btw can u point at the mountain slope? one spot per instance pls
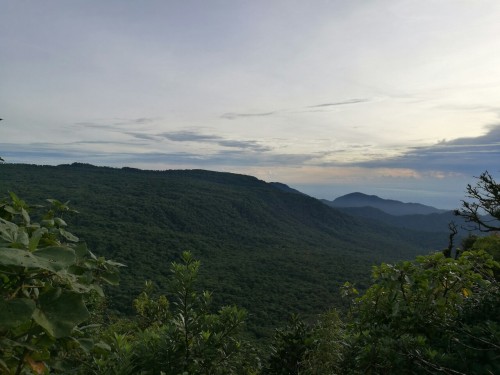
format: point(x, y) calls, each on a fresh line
point(392, 207)
point(271, 251)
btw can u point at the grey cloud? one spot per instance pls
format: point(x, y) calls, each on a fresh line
point(468, 156)
point(231, 116)
point(143, 136)
point(244, 155)
point(188, 136)
point(95, 125)
point(250, 145)
point(143, 120)
point(115, 125)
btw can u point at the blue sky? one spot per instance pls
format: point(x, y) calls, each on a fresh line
point(398, 98)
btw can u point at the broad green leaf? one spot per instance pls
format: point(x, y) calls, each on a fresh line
point(11, 210)
point(81, 250)
point(50, 258)
point(26, 216)
point(35, 238)
point(22, 238)
point(8, 231)
point(18, 258)
point(60, 222)
point(60, 311)
point(15, 312)
point(56, 258)
point(69, 236)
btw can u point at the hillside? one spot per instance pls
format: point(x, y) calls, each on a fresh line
point(271, 251)
point(389, 206)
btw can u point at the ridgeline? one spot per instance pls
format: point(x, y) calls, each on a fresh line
point(263, 247)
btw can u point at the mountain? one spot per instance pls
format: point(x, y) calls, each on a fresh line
point(262, 247)
point(435, 222)
point(285, 188)
point(392, 207)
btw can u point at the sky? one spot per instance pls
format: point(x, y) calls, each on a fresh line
point(398, 98)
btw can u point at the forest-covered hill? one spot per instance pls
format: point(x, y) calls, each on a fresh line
point(269, 250)
point(389, 206)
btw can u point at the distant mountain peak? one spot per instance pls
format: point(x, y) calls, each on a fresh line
point(390, 206)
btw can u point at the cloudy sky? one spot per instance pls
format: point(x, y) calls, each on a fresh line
point(399, 98)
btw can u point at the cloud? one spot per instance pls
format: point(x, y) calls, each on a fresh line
point(117, 123)
point(192, 136)
point(467, 155)
point(249, 145)
point(231, 116)
point(188, 136)
point(351, 101)
point(144, 136)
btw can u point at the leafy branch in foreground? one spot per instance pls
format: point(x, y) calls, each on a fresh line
point(180, 336)
point(46, 275)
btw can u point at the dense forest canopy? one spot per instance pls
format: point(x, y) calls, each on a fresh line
point(437, 313)
point(270, 251)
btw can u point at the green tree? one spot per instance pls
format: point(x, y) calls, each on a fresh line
point(183, 336)
point(289, 347)
point(414, 317)
point(47, 277)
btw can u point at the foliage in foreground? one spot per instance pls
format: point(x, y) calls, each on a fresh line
point(47, 278)
point(181, 336)
point(434, 315)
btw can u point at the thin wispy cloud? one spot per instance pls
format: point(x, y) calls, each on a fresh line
point(197, 137)
point(232, 116)
point(189, 136)
point(351, 101)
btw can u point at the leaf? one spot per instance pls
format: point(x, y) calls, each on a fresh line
point(25, 215)
point(35, 238)
point(15, 312)
point(69, 236)
point(56, 258)
point(50, 258)
point(8, 231)
point(60, 222)
point(10, 210)
point(60, 311)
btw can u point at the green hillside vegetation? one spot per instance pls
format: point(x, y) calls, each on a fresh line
point(438, 313)
point(270, 251)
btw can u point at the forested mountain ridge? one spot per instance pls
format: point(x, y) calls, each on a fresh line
point(389, 206)
point(435, 222)
point(271, 251)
